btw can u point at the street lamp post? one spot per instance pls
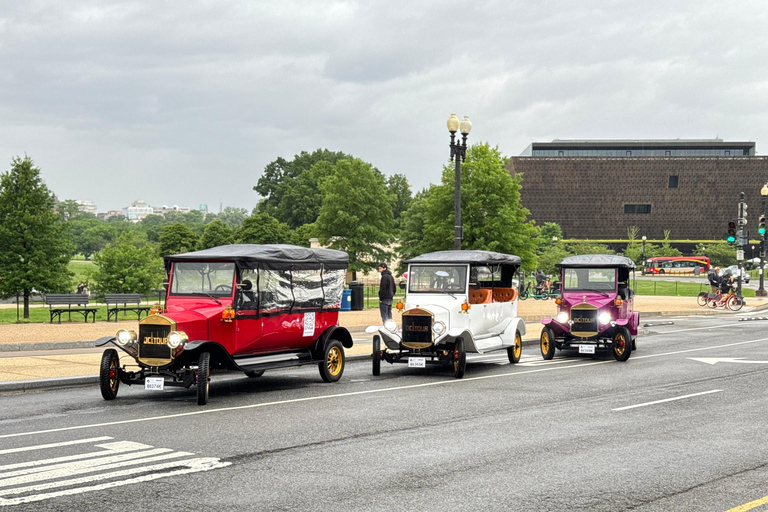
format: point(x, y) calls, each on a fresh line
point(458, 154)
point(761, 289)
point(642, 257)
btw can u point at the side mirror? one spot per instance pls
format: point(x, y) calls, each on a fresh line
point(246, 285)
point(401, 285)
point(165, 285)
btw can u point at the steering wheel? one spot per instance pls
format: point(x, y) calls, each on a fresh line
point(224, 288)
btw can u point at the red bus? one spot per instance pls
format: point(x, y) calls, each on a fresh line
point(677, 265)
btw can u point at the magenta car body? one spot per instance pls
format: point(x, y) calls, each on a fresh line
point(595, 310)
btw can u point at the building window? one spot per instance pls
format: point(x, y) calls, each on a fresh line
point(629, 153)
point(560, 153)
point(637, 208)
point(673, 181)
point(668, 153)
point(727, 153)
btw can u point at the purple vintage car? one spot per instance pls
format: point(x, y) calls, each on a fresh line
point(595, 309)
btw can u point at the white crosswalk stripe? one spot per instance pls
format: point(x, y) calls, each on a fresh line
point(66, 475)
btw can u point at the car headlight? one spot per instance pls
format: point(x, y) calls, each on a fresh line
point(177, 338)
point(562, 317)
point(391, 326)
point(604, 318)
point(438, 328)
point(125, 337)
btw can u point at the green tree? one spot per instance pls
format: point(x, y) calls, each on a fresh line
point(491, 214)
point(90, 235)
point(262, 228)
point(70, 210)
point(177, 239)
point(356, 215)
point(34, 248)
point(232, 217)
point(400, 192)
point(413, 225)
point(287, 194)
point(216, 233)
point(129, 265)
point(720, 255)
point(550, 248)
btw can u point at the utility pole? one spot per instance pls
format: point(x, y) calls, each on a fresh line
point(743, 235)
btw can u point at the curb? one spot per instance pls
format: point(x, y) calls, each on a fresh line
point(44, 384)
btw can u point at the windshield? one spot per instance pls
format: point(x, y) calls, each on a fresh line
point(589, 279)
point(208, 278)
point(437, 279)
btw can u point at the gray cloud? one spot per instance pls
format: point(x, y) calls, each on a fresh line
point(186, 102)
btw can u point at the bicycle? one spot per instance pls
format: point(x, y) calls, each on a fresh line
point(732, 302)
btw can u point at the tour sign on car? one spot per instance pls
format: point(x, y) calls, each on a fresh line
point(249, 308)
point(456, 302)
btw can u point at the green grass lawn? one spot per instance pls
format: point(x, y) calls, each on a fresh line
point(79, 267)
point(41, 314)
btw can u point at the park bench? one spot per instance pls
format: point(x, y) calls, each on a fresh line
point(69, 303)
point(117, 302)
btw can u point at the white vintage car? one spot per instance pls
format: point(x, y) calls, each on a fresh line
point(456, 302)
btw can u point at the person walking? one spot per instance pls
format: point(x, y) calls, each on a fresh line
point(386, 293)
point(714, 279)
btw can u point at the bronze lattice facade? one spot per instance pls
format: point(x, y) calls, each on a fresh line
point(601, 197)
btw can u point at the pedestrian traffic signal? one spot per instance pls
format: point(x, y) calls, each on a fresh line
point(761, 225)
point(731, 236)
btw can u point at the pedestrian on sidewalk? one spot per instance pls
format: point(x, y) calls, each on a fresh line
point(386, 293)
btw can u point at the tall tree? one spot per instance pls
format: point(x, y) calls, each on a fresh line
point(232, 217)
point(492, 216)
point(400, 193)
point(262, 228)
point(90, 235)
point(69, 209)
point(283, 188)
point(129, 265)
point(356, 215)
point(177, 239)
point(34, 249)
point(216, 233)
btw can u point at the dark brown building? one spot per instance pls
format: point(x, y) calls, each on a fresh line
point(598, 189)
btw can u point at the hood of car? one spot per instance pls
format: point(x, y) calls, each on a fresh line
point(595, 299)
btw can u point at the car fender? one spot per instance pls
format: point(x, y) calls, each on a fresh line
point(334, 333)
point(130, 349)
point(517, 324)
point(469, 340)
point(220, 358)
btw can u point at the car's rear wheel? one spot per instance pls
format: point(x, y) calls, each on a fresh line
point(332, 365)
point(547, 343)
point(203, 377)
point(514, 352)
point(622, 344)
point(376, 355)
point(109, 378)
point(459, 358)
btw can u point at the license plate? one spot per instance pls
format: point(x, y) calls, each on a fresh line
point(417, 362)
point(154, 383)
point(586, 349)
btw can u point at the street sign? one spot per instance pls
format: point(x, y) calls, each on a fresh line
point(740, 254)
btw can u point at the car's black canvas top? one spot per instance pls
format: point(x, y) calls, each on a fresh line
point(596, 261)
point(278, 256)
point(472, 257)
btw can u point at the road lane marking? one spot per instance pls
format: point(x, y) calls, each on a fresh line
point(107, 449)
point(694, 329)
point(54, 445)
point(655, 402)
point(16, 488)
point(750, 505)
point(715, 360)
point(549, 368)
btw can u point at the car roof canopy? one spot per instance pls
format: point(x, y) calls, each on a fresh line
point(596, 261)
point(273, 256)
point(471, 257)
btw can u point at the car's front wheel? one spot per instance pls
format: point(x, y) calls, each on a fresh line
point(332, 365)
point(514, 352)
point(547, 343)
point(203, 377)
point(109, 378)
point(459, 358)
point(622, 344)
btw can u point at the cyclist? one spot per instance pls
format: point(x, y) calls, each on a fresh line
point(726, 286)
point(714, 279)
point(541, 281)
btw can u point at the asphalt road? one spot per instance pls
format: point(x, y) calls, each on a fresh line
point(667, 430)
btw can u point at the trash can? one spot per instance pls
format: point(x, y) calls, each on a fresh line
point(346, 300)
point(697, 271)
point(356, 287)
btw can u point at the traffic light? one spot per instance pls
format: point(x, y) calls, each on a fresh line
point(761, 225)
point(743, 213)
point(731, 237)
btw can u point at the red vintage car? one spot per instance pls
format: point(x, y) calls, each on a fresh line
point(236, 307)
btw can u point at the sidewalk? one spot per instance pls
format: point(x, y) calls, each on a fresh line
point(34, 356)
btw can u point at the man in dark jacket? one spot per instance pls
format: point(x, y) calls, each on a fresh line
point(714, 278)
point(386, 292)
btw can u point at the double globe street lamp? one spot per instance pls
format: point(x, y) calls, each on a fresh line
point(458, 154)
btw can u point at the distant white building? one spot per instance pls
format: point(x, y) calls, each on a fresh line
point(162, 210)
point(87, 207)
point(137, 211)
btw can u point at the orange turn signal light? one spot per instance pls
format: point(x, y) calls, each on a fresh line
point(465, 306)
point(399, 305)
point(157, 309)
point(558, 301)
point(618, 301)
point(228, 314)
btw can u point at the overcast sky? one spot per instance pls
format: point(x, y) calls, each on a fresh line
point(184, 102)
